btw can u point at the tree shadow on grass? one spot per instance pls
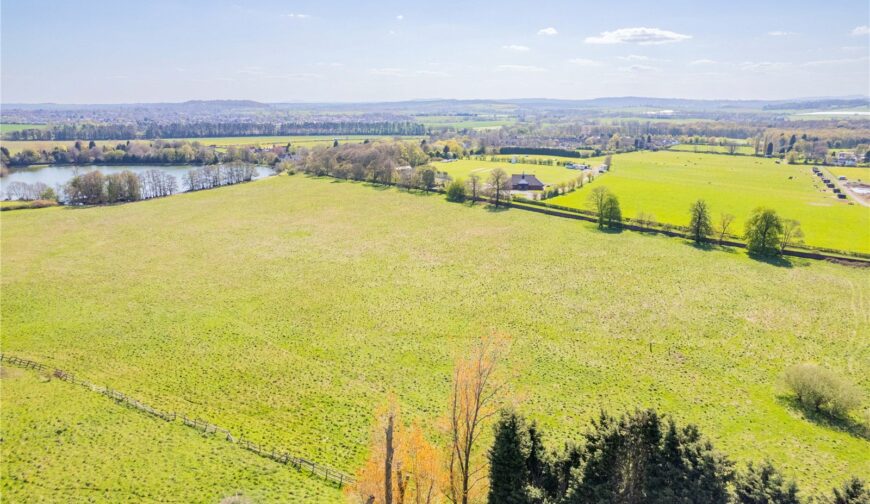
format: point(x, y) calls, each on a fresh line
point(848, 425)
point(778, 261)
point(497, 209)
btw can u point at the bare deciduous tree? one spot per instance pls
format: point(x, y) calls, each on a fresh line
point(474, 400)
point(725, 221)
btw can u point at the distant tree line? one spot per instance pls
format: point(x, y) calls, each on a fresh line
point(541, 151)
point(158, 151)
point(155, 130)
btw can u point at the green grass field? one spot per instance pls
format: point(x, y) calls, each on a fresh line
point(65, 444)
point(666, 183)
point(741, 149)
point(547, 174)
point(6, 128)
point(287, 309)
point(852, 173)
point(220, 142)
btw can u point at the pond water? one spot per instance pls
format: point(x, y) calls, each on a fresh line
point(56, 176)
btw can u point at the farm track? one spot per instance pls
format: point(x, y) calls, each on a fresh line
point(314, 469)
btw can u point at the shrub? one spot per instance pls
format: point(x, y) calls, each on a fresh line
point(820, 389)
point(456, 191)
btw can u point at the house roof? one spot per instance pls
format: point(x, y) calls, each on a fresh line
point(525, 180)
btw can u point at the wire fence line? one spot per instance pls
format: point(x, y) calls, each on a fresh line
point(280, 456)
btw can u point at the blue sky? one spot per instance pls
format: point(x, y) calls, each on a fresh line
point(120, 51)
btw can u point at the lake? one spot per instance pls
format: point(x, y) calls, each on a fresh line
point(56, 176)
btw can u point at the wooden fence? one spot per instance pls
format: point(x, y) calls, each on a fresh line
point(282, 457)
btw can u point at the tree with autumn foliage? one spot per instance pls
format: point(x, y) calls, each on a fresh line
point(402, 468)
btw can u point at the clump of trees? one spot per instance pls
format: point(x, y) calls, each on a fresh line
point(209, 177)
point(375, 162)
point(822, 390)
point(768, 235)
point(638, 457)
point(404, 467)
point(29, 192)
point(606, 205)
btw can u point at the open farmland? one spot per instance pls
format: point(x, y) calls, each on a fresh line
point(5, 128)
point(51, 426)
point(546, 173)
point(666, 183)
point(852, 173)
point(719, 149)
point(317, 298)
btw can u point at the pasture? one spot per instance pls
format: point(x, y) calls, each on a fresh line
point(5, 128)
point(720, 149)
point(666, 183)
point(547, 174)
point(290, 307)
point(852, 173)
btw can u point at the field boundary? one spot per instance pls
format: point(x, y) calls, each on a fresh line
point(314, 469)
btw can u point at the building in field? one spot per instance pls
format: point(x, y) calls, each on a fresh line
point(845, 158)
point(525, 182)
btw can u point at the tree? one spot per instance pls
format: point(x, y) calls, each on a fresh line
point(402, 465)
point(474, 186)
point(639, 458)
point(427, 178)
point(456, 191)
point(699, 225)
point(763, 232)
point(763, 484)
point(725, 221)
point(597, 197)
point(791, 234)
point(769, 151)
point(611, 215)
point(499, 185)
point(508, 472)
point(852, 492)
point(474, 399)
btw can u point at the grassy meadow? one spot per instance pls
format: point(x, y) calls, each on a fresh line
point(287, 309)
point(852, 173)
point(63, 443)
point(6, 128)
point(722, 149)
point(666, 183)
point(547, 174)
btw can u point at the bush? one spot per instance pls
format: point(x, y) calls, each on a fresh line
point(456, 191)
point(852, 492)
point(820, 389)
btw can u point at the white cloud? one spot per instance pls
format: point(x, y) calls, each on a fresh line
point(400, 17)
point(515, 47)
point(763, 65)
point(584, 62)
point(634, 57)
point(521, 68)
point(641, 69)
point(432, 73)
point(549, 31)
point(640, 35)
point(861, 30)
point(333, 64)
point(779, 33)
point(297, 16)
point(702, 61)
point(388, 72)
